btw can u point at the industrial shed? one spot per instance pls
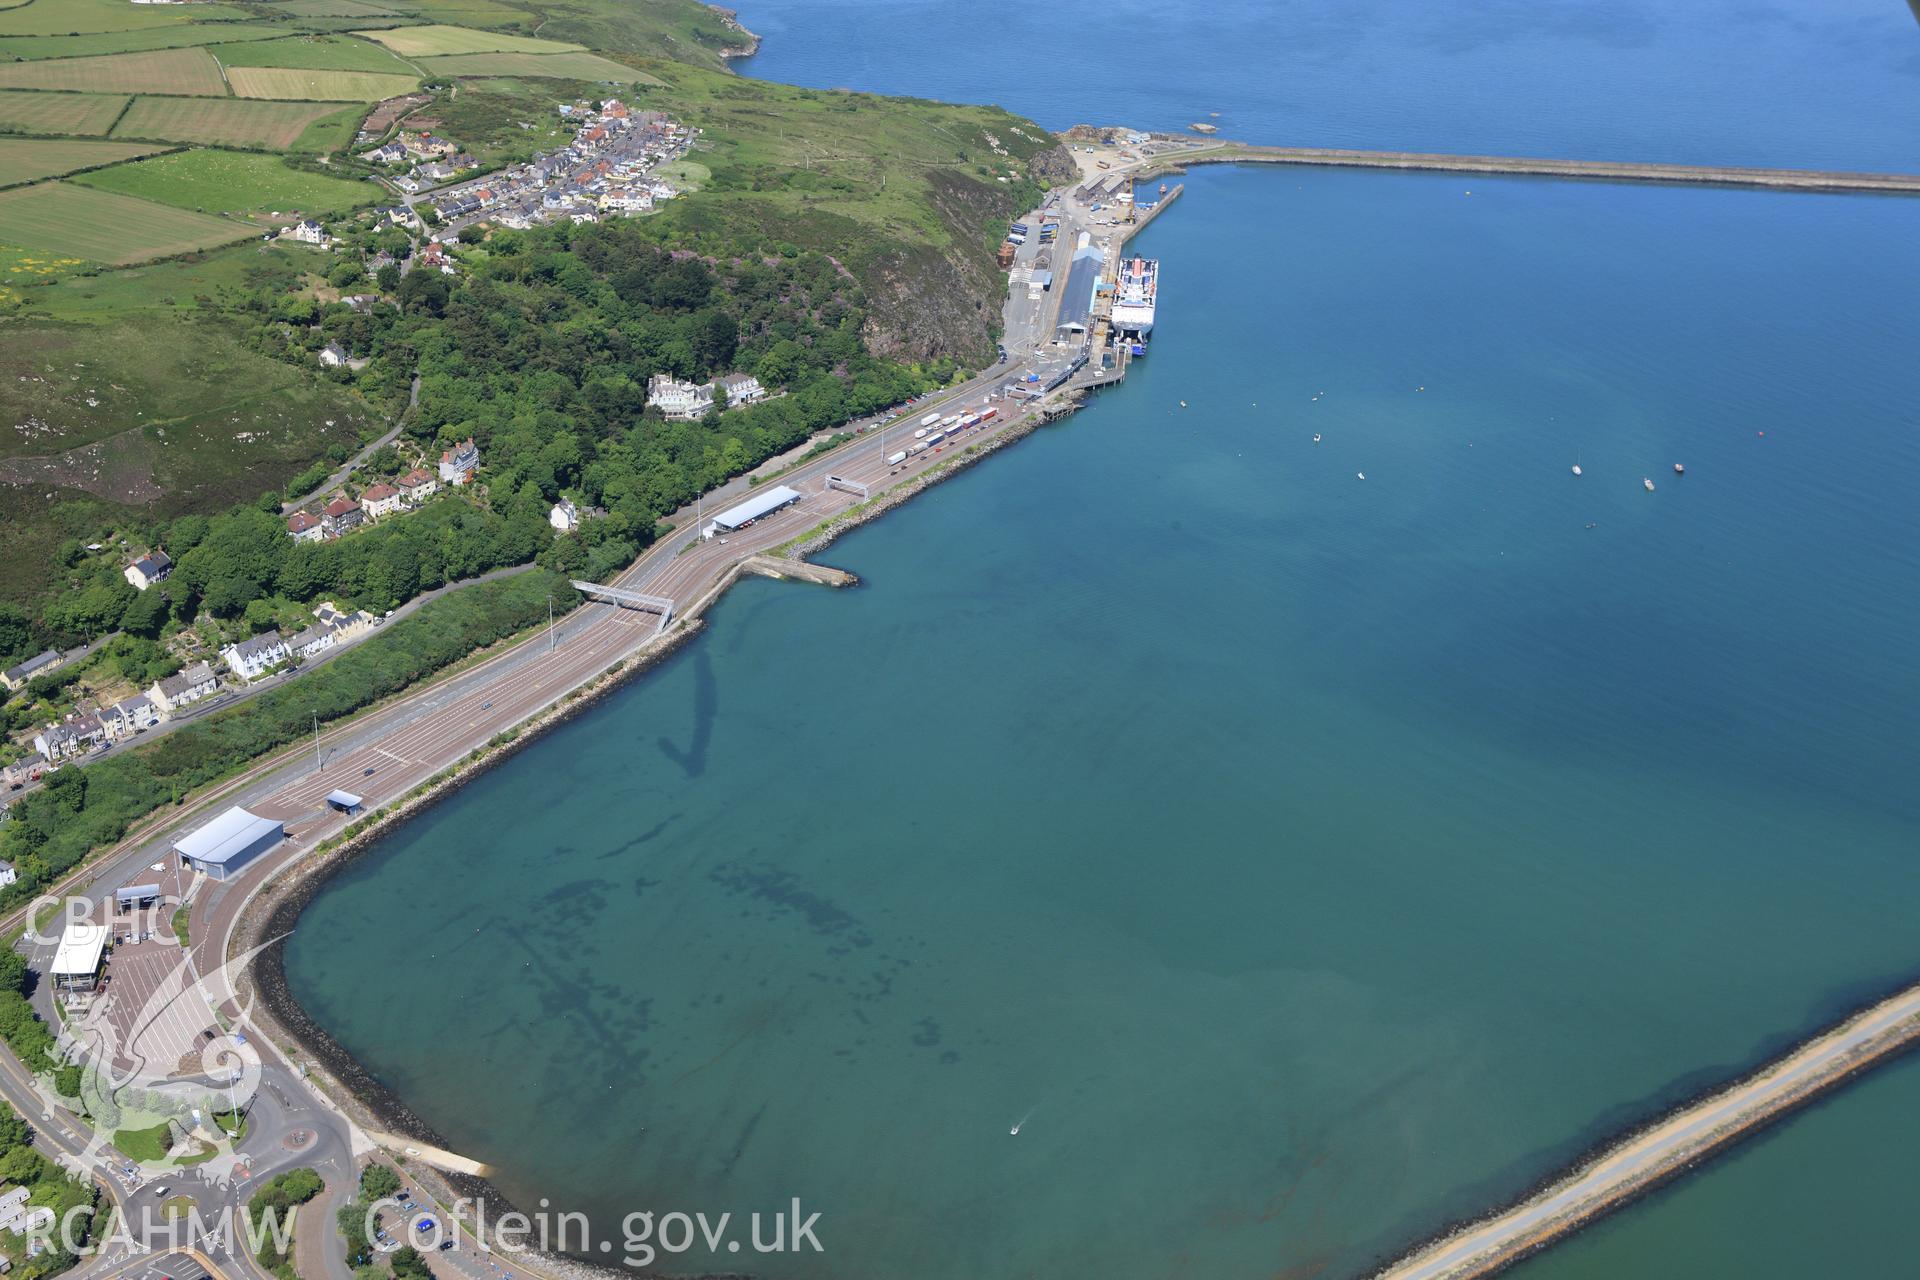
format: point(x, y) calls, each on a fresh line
point(228, 843)
point(760, 504)
point(1076, 297)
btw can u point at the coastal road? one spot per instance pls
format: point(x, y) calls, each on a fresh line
point(384, 754)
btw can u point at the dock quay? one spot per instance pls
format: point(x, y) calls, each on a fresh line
point(1172, 160)
point(780, 567)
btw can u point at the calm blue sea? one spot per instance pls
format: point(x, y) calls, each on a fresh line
point(1298, 860)
point(1831, 84)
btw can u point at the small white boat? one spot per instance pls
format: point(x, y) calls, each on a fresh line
point(1679, 470)
point(1316, 437)
point(1649, 483)
point(1183, 404)
point(1576, 469)
point(1361, 474)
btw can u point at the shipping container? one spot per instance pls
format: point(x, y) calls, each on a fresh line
point(936, 438)
point(930, 419)
point(895, 459)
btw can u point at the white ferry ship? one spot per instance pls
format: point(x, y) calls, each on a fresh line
point(1133, 298)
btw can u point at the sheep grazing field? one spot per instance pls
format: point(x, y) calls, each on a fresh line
point(101, 226)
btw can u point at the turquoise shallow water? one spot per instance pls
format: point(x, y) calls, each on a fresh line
point(1307, 860)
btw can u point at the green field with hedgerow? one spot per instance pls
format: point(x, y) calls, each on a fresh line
point(314, 53)
point(189, 71)
point(318, 85)
point(268, 126)
point(230, 182)
point(432, 41)
point(590, 67)
point(63, 217)
point(30, 159)
point(80, 114)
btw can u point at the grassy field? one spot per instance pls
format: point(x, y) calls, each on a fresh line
point(885, 162)
point(272, 126)
point(159, 293)
point(230, 182)
point(145, 1144)
point(79, 46)
point(476, 13)
point(21, 273)
point(61, 218)
point(556, 66)
point(331, 9)
point(22, 111)
point(314, 53)
point(63, 17)
point(683, 30)
point(190, 71)
point(430, 42)
point(182, 418)
point(321, 86)
point(29, 159)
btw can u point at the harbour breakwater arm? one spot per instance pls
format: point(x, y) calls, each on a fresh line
point(1628, 1168)
point(1596, 170)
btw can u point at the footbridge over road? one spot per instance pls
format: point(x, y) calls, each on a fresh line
point(622, 598)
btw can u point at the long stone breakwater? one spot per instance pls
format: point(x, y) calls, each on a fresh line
point(1595, 170)
point(1626, 1168)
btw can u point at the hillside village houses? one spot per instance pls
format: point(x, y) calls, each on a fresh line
point(74, 736)
point(40, 664)
point(679, 401)
point(607, 168)
point(684, 401)
point(332, 356)
point(458, 464)
point(189, 686)
point(342, 514)
point(28, 768)
point(252, 658)
point(741, 388)
point(418, 486)
point(132, 716)
point(307, 231)
point(346, 627)
point(149, 569)
point(382, 499)
point(307, 643)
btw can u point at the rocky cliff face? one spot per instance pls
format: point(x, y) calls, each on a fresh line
point(926, 302)
point(1054, 166)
